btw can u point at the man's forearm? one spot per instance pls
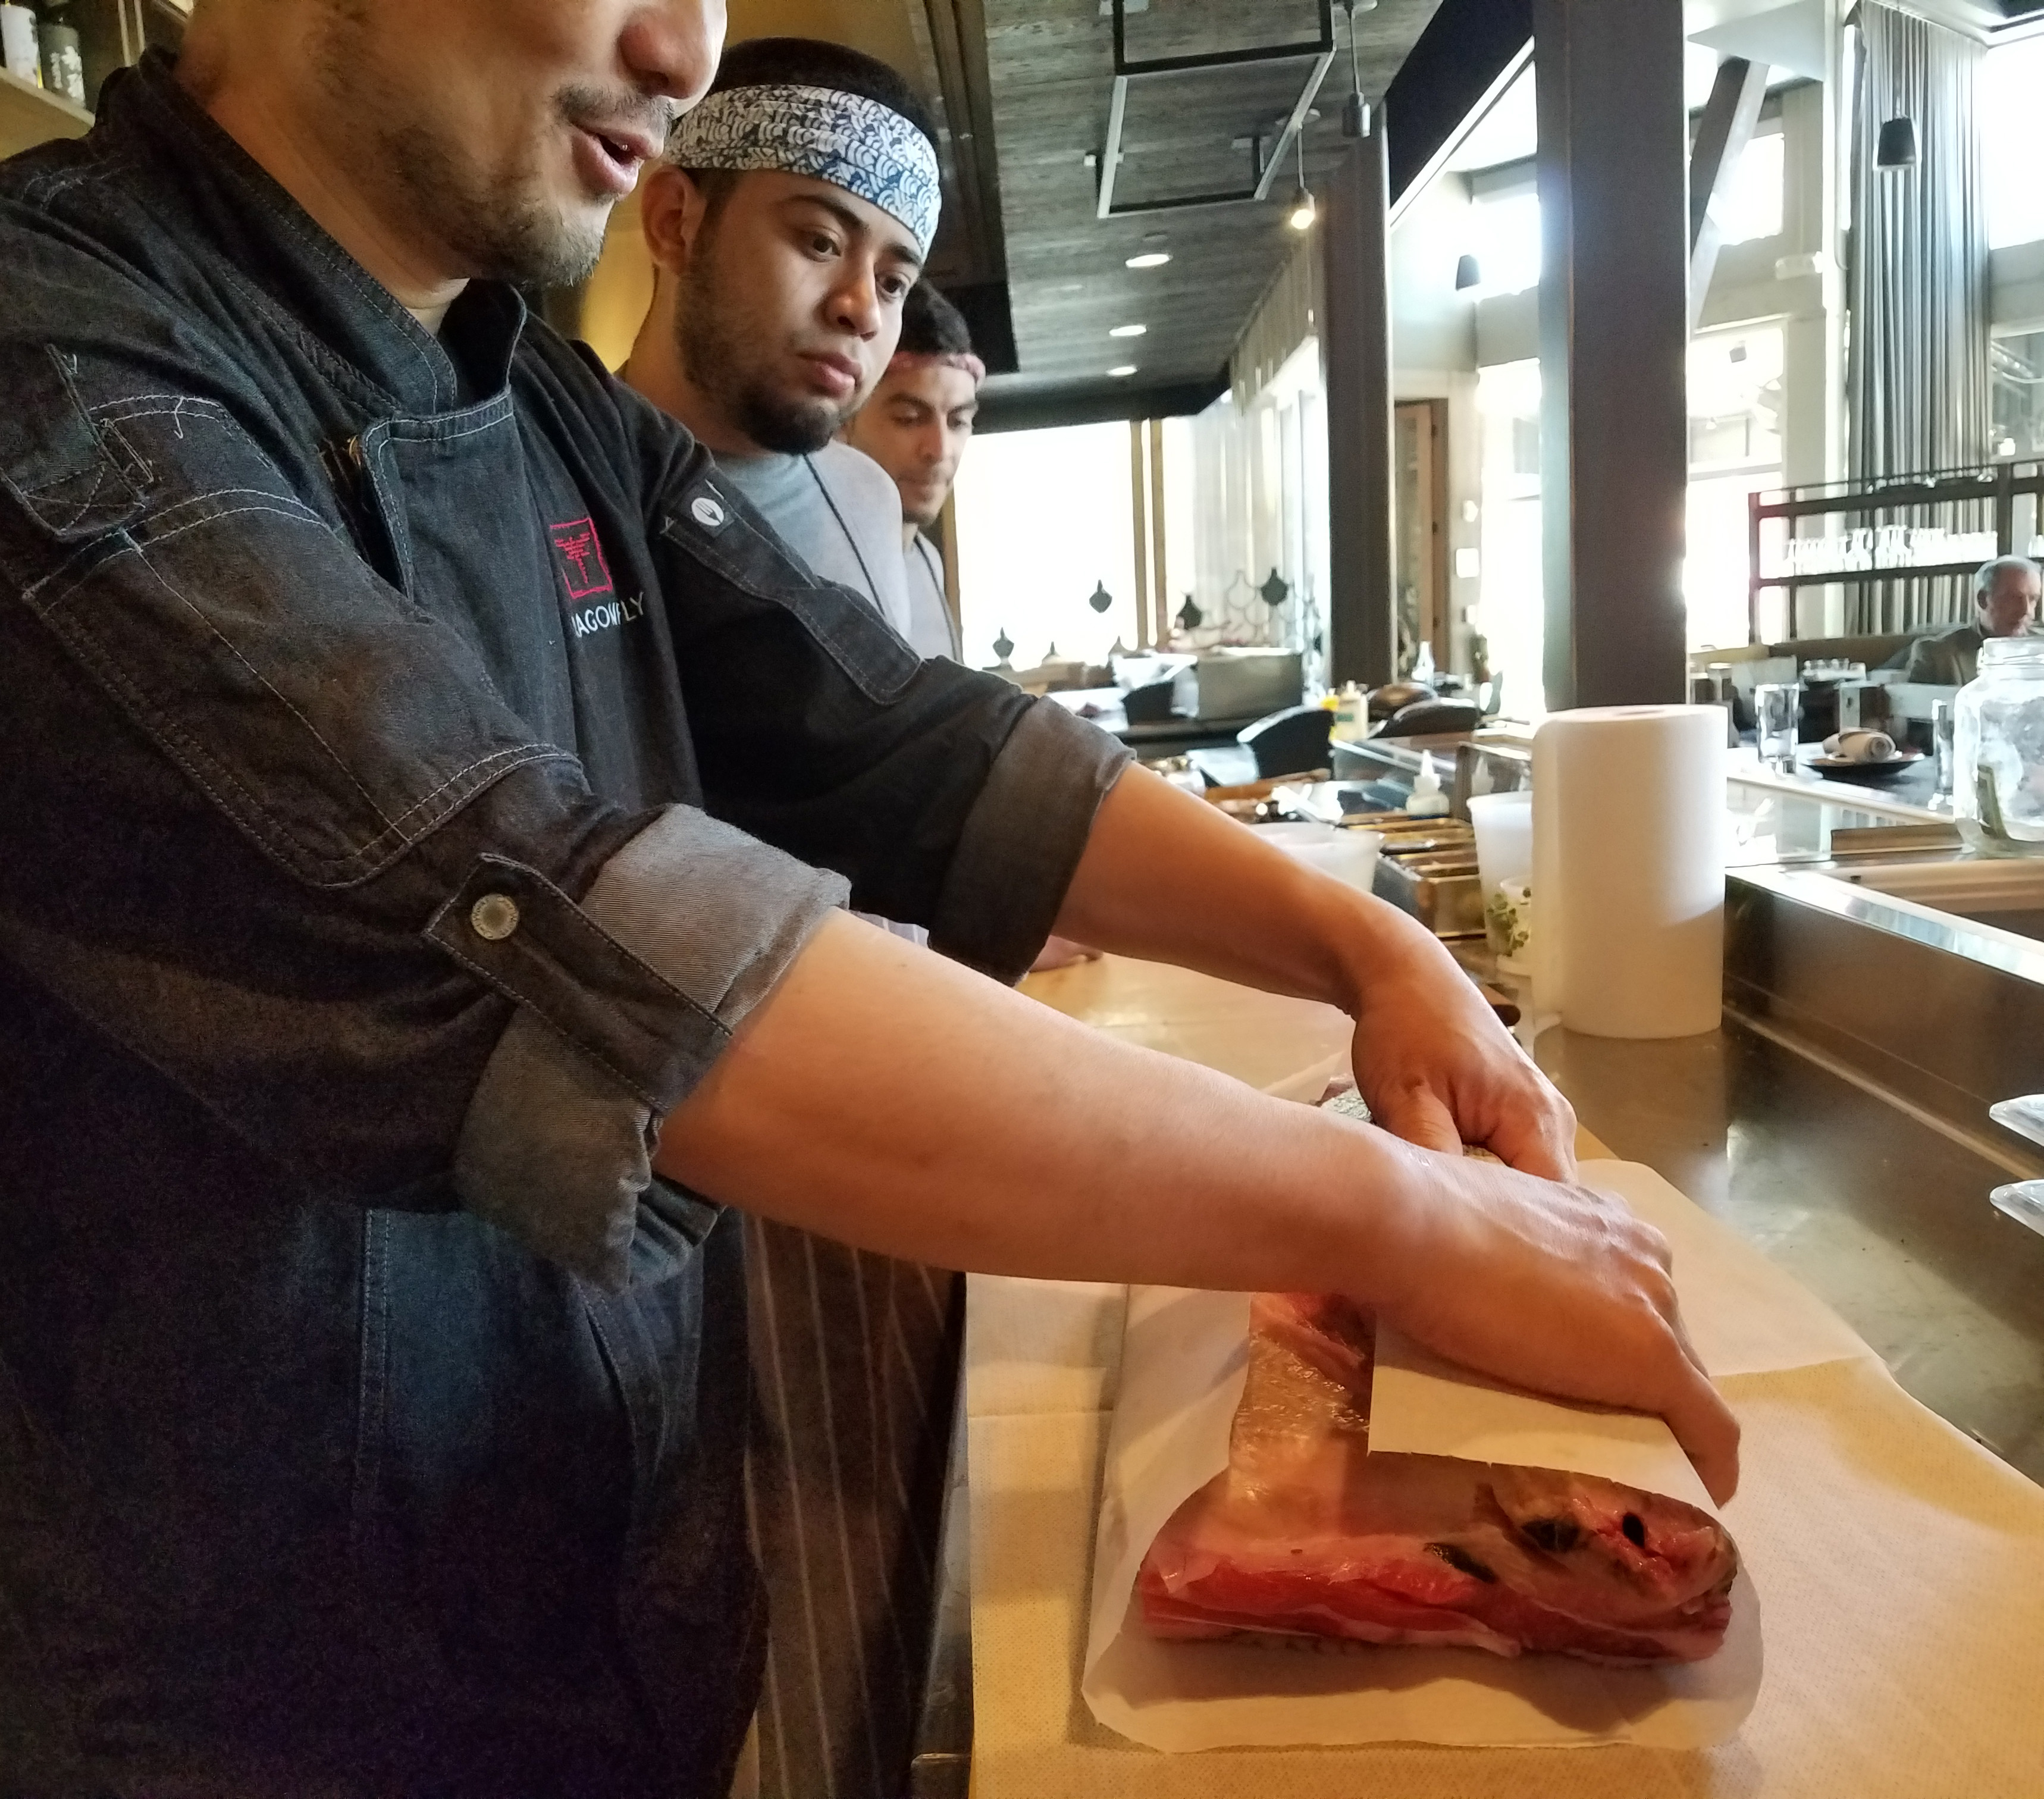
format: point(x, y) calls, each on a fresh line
point(887, 1097)
point(1167, 877)
point(1170, 878)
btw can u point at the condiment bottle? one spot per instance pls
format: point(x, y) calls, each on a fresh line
point(1428, 800)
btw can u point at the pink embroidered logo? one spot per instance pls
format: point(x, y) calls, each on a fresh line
point(582, 565)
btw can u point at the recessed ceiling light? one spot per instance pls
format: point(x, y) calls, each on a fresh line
point(1149, 259)
point(1126, 369)
point(1128, 331)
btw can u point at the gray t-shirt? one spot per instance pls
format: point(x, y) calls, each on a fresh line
point(932, 629)
point(839, 511)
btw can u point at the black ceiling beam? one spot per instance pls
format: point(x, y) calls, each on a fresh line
point(1467, 45)
point(1097, 404)
point(991, 321)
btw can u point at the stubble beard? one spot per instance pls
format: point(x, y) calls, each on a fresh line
point(924, 519)
point(493, 228)
point(500, 232)
point(715, 349)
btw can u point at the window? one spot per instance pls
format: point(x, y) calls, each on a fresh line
point(1043, 516)
point(1735, 402)
point(2018, 362)
point(2012, 80)
point(1510, 614)
point(1749, 205)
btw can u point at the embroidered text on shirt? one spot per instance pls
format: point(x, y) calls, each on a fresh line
point(609, 616)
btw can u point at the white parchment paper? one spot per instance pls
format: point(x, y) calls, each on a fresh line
point(1183, 1361)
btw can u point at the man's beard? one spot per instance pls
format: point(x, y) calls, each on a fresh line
point(499, 229)
point(925, 519)
point(495, 234)
point(713, 350)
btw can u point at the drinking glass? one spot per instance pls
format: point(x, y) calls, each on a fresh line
point(1777, 711)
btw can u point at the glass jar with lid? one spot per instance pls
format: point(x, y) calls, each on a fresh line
point(1998, 749)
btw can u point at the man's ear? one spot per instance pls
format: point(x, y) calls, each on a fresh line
point(671, 211)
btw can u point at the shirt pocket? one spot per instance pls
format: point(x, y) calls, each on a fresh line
point(335, 722)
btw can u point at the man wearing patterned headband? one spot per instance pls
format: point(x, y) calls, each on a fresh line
point(790, 219)
point(916, 426)
point(787, 224)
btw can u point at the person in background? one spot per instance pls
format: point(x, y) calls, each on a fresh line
point(2005, 594)
point(917, 426)
point(779, 293)
point(777, 302)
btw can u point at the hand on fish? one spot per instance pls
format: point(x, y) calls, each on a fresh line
point(1554, 1286)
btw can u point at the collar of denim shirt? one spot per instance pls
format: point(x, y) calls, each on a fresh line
point(221, 217)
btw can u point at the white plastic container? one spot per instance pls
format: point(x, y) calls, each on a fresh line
point(1349, 856)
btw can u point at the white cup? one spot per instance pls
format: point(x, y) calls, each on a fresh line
point(1349, 856)
point(1503, 826)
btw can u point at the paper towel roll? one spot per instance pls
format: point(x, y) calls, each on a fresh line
point(1628, 869)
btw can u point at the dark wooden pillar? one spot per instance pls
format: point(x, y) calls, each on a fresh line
point(1356, 343)
point(1613, 337)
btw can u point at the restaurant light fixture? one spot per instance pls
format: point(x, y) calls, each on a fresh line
point(1302, 210)
point(1125, 371)
point(1355, 110)
point(1897, 148)
point(1128, 331)
point(1149, 259)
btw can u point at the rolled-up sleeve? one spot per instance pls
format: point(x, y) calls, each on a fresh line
point(1021, 842)
point(946, 797)
point(698, 921)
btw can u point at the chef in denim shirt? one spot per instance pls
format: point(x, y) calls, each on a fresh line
point(431, 797)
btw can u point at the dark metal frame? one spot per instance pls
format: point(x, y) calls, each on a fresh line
point(1263, 169)
point(1997, 482)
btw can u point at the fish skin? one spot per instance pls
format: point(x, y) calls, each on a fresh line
point(1306, 1535)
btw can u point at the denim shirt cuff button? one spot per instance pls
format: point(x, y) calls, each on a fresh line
point(493, 918)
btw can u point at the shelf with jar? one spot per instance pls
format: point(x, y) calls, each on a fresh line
point(58, 53)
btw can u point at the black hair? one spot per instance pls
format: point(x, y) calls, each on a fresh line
point(809, 62)
point(932, 326)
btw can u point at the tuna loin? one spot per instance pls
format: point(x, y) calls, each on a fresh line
point(1308, 1538)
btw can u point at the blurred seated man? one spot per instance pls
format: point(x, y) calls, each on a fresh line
point(2004, 603)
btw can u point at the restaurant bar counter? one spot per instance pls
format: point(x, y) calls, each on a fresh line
point(1872, 1192)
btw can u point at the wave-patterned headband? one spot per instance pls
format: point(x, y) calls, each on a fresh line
point(847, 140)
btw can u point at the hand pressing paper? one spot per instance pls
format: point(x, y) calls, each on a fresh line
point(1307, 1540)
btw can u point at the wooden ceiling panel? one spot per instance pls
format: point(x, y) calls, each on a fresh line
point(1051, 64)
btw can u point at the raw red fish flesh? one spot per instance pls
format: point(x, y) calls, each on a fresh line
point(1308, 1539)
